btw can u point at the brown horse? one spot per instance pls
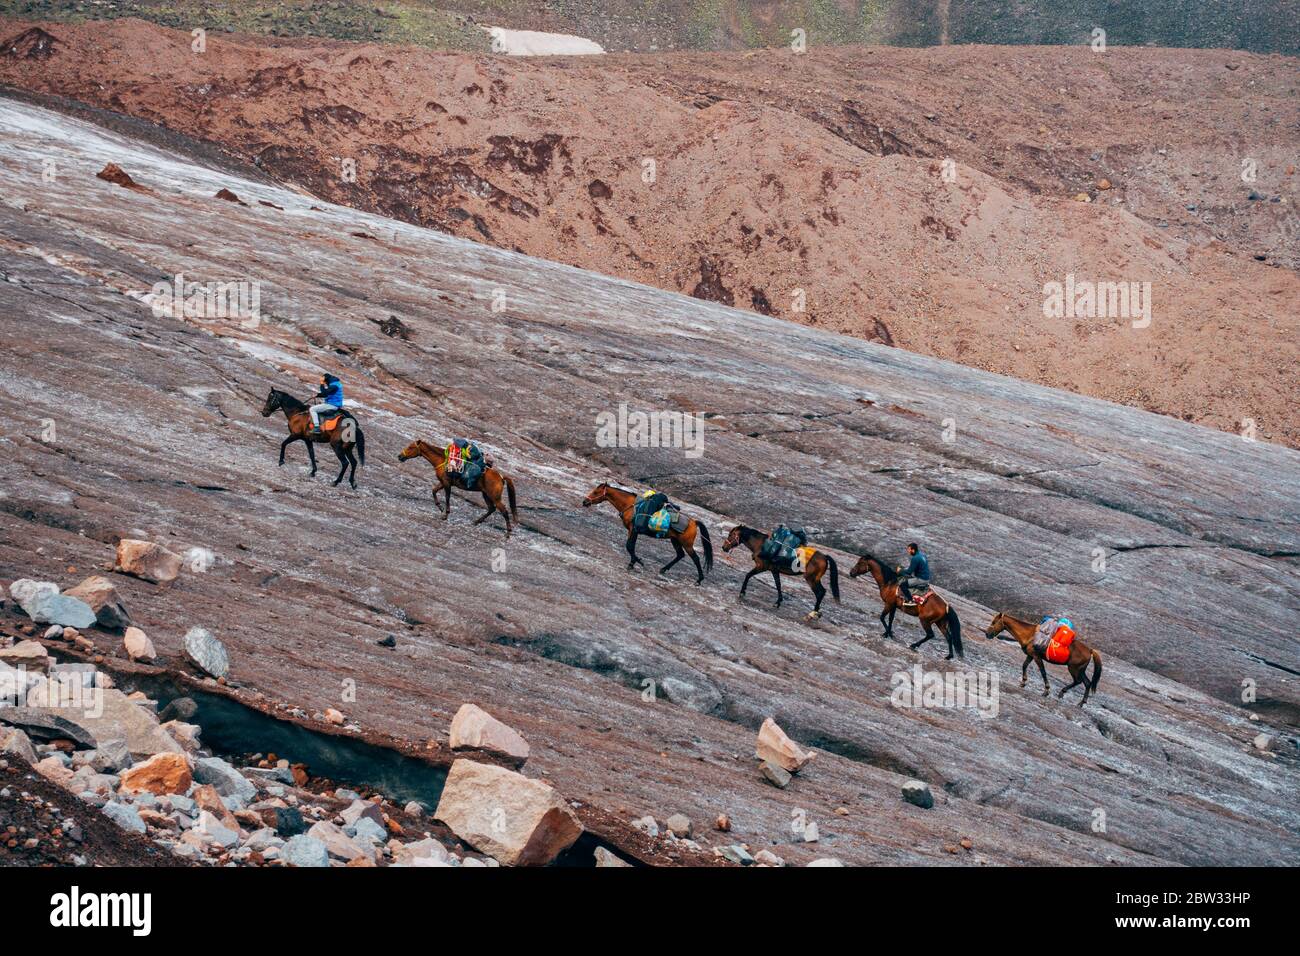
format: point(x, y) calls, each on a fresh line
point(933, 612)
point(813, 570)
point(624, 503)
point(345, 434)
point(491, 484)
point(1080, 654)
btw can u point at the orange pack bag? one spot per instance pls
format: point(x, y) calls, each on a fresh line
point(1058, 648)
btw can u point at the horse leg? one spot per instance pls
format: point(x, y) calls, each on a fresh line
point(446, 512)
point(1078, 679)
point(1047, 688)
point(285, 444)
point(631, 551)
point(491, 507)
point(819, 592)
point(745, 583)
point(342, 456)
point(889, 628)
point(776, 576)
point(1024, 671)
point(929, 635)
point(681, 553)
point(943, 627)
point(699, 568)
point(311, 453)
point(888, 632)
point(352, 461)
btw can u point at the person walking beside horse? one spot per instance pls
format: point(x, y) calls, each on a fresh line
point(786, 552)
point(932, 610)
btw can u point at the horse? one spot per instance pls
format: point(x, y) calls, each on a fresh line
point(491, 483)
point(817, 565)
point(343, 437)
point(1080, 654)
point(624, 503)
point(934, 611)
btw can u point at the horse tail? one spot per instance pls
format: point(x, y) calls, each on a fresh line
point(510, 492)
point(1096, 670)
point(361, 445)
point(835, 578)
point(954, 628)
point(708, 545)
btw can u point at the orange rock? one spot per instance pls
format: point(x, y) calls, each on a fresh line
point(775, 746)
point(1104, 184)
point(206, 797)
point(475, 729)
point(723, 823)
point(146, 560)
point(160, 774)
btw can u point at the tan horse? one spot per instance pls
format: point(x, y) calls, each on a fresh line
point(1080, 654)
point(933, 612)
point(817, 566)
point(491, 484)
point(624, 503)
point(340, 430)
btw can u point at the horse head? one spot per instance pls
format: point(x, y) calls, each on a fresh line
point(863, 566)
point(996, 626)
point(273, 403)
point(598, 494)
point(733, 538)
point(410, 451)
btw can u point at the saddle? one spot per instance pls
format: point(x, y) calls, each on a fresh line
point(328, 425)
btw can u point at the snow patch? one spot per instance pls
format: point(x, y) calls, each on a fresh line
point(535, 43)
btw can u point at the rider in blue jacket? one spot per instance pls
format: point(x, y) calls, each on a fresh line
point(918, 570)
point(328, 399)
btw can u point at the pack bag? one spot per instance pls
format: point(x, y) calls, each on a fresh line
point(465, 458)
point(650, 501)
point(782, 544)
point(1058, 647)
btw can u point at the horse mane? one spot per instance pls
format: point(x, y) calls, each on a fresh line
point(288, 400)
point(887, 574)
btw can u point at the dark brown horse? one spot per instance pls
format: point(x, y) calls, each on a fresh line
point(624, 503)
point(933, 612)
point(1080, 654)
point(816, 565)
point(491, 483)
point(341, 431)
